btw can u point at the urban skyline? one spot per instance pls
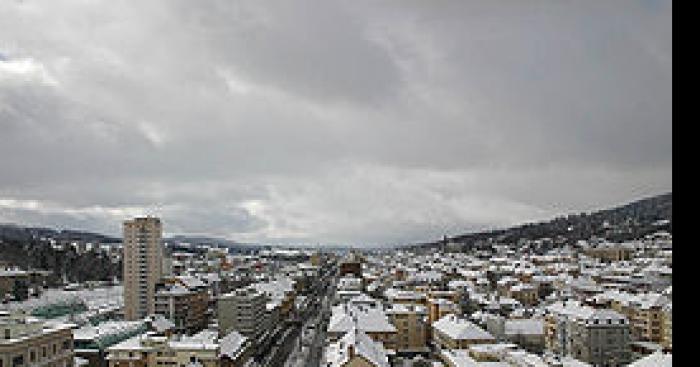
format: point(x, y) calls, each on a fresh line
point(324, 183)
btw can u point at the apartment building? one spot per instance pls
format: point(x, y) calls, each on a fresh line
point(524, 293)
point(281, 291)
point(439, 307)
point(667, 327)
point(600, 337)
point(610, 252)
point(645, 312)
point(450, 295)
point(411, 323)
point(15, 283)
point(452, 332)
point(143, 262)
point(368, 318)
point(204, 349)
point(185, 306)
point(393, 295)
point(28, 341)
point(356, 349)
point(91, 341)
point(656, 359)
point(528, 333)
point(201, 348)
point(243, 310)
point(235, 350)
point(351, 266)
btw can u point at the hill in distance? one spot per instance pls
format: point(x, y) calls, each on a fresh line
point(623, 223)
point(626, 222)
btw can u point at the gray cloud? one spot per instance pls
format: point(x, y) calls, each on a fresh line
point(323, 121)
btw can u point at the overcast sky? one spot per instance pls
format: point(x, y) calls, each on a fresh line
point(347, 122)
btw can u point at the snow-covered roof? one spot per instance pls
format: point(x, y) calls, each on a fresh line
point(656, 359)
point(643, 301)
point(174, 290)
point(363, 317)
point(524, 327)
point(191, 282)
point(394, 294)
point(573, 362)
point(338, 354)
point(104, 329)
point(203, 340)
point(135, 343)
point(458, 358)
point(230, 345)
point(461, 329)
point(586, 313)
point(400, 308)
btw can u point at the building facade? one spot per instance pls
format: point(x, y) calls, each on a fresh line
point(204, 349)
point(452, 332)
point(411, 324)
point(28, 341)
point(600, 337)
point(143, 253)
point(667, 327)
point(243, 310)
point(185, 307)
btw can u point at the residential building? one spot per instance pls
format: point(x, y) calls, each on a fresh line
point(235, 350)
point(28, 341)
point(452, 332)
point(91, 341)
point(142, 266)
point(657, 359)
point(411, 323)
point(281, 291)
point(185, 306)
point(439, 307)
point(596, 336)
point(204, 349)
point(645, 313)
point(667, 327)
point(370, 319)
point(524, 293)
point(528, 333)
point(356, 349)
point(351, 266)
point(243, 310)
point(610, 252)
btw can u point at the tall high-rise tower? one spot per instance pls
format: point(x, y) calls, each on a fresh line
point(143, 254)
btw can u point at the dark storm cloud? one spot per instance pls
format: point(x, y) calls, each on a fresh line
point(321, 121)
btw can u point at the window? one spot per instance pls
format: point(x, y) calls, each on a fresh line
point(8, 334)
point(43, 352)
point(32, 356)
point(18, 360)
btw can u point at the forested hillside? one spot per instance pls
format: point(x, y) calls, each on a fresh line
point(618, 224)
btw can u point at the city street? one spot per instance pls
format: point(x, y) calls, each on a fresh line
point(300, 342)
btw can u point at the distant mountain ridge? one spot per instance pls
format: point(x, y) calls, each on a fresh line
point(22, 233)
point(622, 223)
point(626, 222)
point(15, 232)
